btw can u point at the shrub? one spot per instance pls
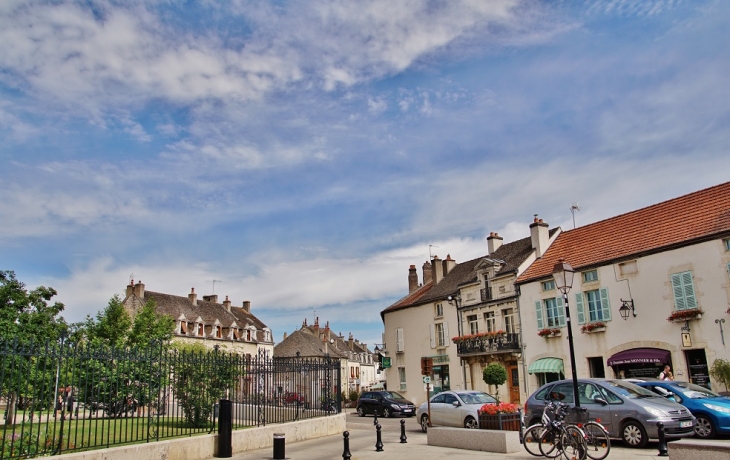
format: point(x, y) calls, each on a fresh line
point(495, 374)
point(720, 370)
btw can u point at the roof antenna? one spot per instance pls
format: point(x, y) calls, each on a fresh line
point(573, 208)
point(430, 257)
point(215, 281)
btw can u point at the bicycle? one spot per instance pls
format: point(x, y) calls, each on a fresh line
point(597, 441)
point(561, 438)
point(533, 433)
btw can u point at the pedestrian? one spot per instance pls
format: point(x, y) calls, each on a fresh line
point(666, 374)
point(70, 403)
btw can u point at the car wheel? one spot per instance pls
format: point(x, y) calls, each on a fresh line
point(424, 423)
point(471, 423)
point(634, 434)
point(704, 428)
point(387, 412)
point(360, 411)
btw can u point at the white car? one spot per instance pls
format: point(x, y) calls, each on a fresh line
point(458, 408)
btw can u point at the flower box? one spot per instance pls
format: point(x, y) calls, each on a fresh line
point(502, 422)
point(685, 315)
point(555, 332)
point(593, 327)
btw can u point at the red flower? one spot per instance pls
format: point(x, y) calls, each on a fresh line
point(501, 408)
point(684, 314)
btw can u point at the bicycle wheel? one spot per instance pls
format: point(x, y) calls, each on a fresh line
point(549, 443)
point(531, 439)
point(573, 443)
point(597, 441)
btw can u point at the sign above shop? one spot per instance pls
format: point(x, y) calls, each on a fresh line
point(686, 339)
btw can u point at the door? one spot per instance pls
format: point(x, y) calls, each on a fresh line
point(697, 364)
point(513, 381)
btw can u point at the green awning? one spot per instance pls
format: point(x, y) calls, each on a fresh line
point(551, 365)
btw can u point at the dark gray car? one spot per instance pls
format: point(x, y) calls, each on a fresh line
point(385, 403)
point(627, 411)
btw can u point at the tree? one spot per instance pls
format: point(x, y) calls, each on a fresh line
point(149, 326)
point(720, 370)
point(494, 374)
point(111, 326)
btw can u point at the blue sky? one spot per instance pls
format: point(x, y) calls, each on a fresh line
point(306, 153)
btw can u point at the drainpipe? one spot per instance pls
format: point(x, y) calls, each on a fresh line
point(522, 343)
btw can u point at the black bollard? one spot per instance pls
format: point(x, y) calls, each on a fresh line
point(279, 446)
point(379, 442)
point(403, 438)
point(225, 429)
point(346, 439)
point(662, 440)
point(375, 420)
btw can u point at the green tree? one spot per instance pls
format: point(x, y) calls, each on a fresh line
point(111, 326)
point(494, 374)
point(149, 326)
point(720, 370)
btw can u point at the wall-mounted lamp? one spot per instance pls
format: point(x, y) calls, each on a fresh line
point(626, 307)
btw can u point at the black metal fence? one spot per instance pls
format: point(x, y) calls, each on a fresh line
point(480, 345)
point(61, 397)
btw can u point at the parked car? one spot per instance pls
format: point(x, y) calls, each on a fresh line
point(384, 403)
point(627, 411)
point(711, 410)
point(454, 408)
point(293, 398)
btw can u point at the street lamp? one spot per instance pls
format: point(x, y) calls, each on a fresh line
point(627, 306)
point(456, 300)
point(563, 274)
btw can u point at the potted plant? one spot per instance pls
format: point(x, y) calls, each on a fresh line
point(353, 396)
point(593, 327)
point(500, 416)
point(684, 315)
point(549, 332)
point(495, 374)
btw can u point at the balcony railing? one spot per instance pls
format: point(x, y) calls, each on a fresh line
point(488, 345)
point(486, 293)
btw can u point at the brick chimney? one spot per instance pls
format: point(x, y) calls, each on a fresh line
point(494, 242)
point(449, 264)
point(247, 307)
point(437, 270)
point(350, 341)
point(227, 305)
point(193, 297)
point(285, 336)
point(130, 288)
point(427, 273)
point(139, 290)
point(315, 326)
point(412, 279)
point(211, 298)
point(539, 236)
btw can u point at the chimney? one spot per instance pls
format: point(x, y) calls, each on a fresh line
point(427, 273)
point(437, 270)
point(227, 305)
point(130, 287)
point(494, 242)
point(449, 264)
point(350, 341)
point(193, 297)
point(139, 290)
point(539, 236)
point(315, 326)
point(247, 308)
point(211, 298)
point(285, 336)
point(412, 279)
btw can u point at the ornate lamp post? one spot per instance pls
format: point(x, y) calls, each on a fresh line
point(563, 274)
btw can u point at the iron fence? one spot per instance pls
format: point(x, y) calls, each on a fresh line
point(61, 397)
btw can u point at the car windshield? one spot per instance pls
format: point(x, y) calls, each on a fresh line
point(392, 395)
point(692, 391)
point(629, 390)
point(477, 398)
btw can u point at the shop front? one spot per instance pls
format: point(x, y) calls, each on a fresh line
point(639, 363)
point(547, 370)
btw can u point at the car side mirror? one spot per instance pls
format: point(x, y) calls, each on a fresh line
point(600, 401)
point(456, 404)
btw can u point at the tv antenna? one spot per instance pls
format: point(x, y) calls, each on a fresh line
point(430, 257)
point(573, 209)
point(214, 281)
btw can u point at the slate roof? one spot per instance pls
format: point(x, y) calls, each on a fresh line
point(689, 219)
point(174, 305)
point(513, 254)
point(306, 344)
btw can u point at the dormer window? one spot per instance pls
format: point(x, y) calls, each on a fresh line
point(201, 330)
point(236, 334)
point(218, 332)
point(183, 327)
point(248, 335)
point(267, 335)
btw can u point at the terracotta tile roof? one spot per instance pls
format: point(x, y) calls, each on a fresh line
point(682, 221)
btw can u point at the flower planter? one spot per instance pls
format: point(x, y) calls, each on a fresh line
point(503, 422)
point(685, 315)
point(555, 334)
point(595, 329)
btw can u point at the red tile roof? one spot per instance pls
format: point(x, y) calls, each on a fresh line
point(682, 221)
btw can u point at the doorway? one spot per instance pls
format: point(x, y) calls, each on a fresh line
point(697, 365)
point(513, 380)
point(595, 365)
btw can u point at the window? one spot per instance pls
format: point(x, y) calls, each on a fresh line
point(599, 308)
point(248, 334)
point(402, 377)
point(218, 332)
point(183, 327)
point(726, 242)
point(490, 321)
point(236, 334)
point(684, 291)
point(399, 341)
point(554, 315)
point(200, 329)
point(548, 285)
point(590, 276)
point(439, 309)
point(439, 331)
point(473, 324)
point(508, 318)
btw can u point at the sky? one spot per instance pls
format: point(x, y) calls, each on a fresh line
point(305, 153)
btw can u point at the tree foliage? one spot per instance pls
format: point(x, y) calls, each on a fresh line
point(495, 374)
point(720, 370)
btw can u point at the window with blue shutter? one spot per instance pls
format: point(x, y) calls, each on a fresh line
point(580, 308)
point(561, 311)
point(538, 315)
point(684, 291)
point(605, 305)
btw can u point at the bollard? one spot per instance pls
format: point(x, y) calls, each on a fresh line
point(379, 441)
point(375, 420)
point(346, 439)
point(403, 438)
point(225, 429)
point(662, 440)
point(279, 446)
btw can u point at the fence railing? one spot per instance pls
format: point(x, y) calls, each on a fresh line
point(61, 397)
point(507, 342)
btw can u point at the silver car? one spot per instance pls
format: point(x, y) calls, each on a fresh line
point(454, 408)
point(627, 411)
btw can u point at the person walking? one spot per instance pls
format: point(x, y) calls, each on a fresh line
point(666, 374)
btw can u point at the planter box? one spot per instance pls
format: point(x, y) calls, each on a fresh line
point(502, 422)
point(505, 442)
point(597, 329)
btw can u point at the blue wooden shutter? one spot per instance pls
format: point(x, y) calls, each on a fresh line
point(561, 311)
point(579, 307)
point(605, 306)
point(538, 315)
point(689, 290)
point(679, 303)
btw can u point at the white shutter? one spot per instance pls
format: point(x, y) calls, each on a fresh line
point(399, 342)
point(538, 315)
point(580, 308)
point(561, 311)
point(433, 335)
point(447, 340)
